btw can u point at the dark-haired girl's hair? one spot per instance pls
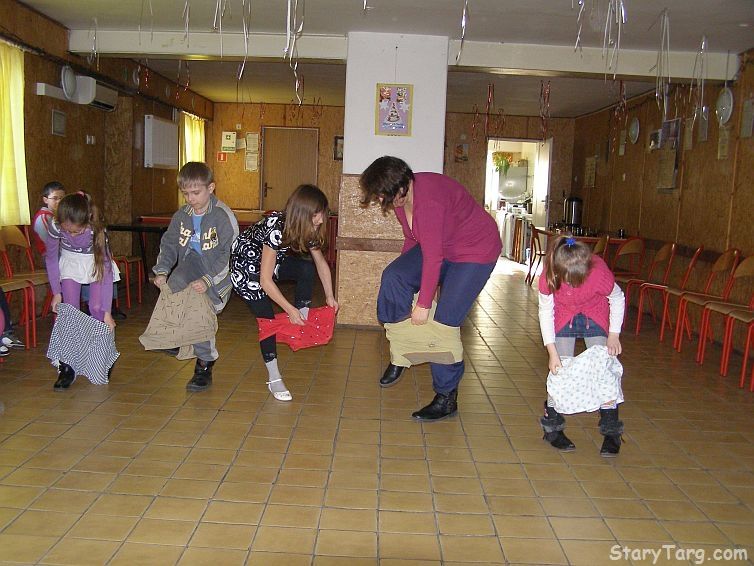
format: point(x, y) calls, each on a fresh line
point(51, 187)
point(384, 180)
point(79, 209)
point(567, 261)
point(299, 232)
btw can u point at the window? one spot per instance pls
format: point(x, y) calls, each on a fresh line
point(14, 195)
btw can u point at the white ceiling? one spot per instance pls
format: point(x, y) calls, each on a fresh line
point(494, 22)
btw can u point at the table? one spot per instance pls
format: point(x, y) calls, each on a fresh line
point(142, 229)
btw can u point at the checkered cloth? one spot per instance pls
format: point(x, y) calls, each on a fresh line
point(84, 343)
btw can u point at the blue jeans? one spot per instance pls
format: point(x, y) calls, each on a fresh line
point(580, 326)
point(461, 284)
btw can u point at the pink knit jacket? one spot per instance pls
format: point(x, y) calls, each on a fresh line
point(589, 299)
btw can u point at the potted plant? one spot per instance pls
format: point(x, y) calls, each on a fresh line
point(502, 161)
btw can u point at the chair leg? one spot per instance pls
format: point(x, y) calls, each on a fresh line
point(727, 345)
point(679, 323)
point(47, 303)
point(641, 309)
point(704, 325)
point(746, 359)
point(140, 273)
point(665, 315)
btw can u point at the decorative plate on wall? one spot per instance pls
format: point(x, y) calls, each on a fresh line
point(633, 130)
point(724, 105)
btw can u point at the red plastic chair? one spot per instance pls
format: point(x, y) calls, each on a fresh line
point(648, 287)
point(726, 263)
point(663, 257)
point(628, 258)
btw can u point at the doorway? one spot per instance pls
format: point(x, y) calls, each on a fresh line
point(517, 190)
point(289, 159)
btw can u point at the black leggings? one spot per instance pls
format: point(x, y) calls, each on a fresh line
point(292, 268)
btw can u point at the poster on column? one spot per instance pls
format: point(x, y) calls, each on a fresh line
point(393, 109)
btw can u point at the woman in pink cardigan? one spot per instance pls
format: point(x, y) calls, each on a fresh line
point(450, 241)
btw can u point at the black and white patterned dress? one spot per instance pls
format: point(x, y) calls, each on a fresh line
point(246, 255)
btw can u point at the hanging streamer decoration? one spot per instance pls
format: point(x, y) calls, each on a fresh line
point(93, 57)
point(696, 91)
point(181, 88)
point(490, 107)
point(151, 20)
point(294, 26)
point(620, 117)
point(365, 8)
point(662, 66)
point(544, 109)
point(614, 22)
point(579, 25)
point(246, 27)
point(186, 15)
point(464, 20)
point(217, 24)
point(474, 124)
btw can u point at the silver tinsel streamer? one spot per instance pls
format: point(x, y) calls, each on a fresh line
point(464, 19)
point(696, 91)
point(93, 56)
point(294, 26)
point(662, 66)
point(151, 20)
point(246, 25)
point(217, 25)
point(580, 24)
point(186, 19)
point(616, 18)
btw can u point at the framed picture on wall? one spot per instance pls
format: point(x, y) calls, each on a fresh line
point(393, 109)
point(337, 148)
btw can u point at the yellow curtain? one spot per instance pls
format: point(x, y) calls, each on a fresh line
point(14, 196)
point(192, 139)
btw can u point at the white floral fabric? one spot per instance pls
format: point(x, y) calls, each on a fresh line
point(585, 382)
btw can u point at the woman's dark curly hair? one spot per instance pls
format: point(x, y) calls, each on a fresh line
point(386, 178)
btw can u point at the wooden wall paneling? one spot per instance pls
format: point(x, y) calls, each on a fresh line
point(119, 173)
point(742, 203)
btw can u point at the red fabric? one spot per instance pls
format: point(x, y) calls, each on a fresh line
point(316, 332)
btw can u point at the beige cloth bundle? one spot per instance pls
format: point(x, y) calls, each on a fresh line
point(432, 342)
point(180, 320)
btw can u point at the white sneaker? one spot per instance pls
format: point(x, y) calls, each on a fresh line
point(4, 351)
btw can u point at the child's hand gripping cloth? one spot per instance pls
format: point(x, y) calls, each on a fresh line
point(180, 320)
point(431, 342)
point(82, 342)
point(317, 331)
point(586, 382)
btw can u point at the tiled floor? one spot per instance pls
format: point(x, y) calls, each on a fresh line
point(140, 472)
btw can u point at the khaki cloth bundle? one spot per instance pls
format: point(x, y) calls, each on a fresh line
point(431, 342)
point(180, 320)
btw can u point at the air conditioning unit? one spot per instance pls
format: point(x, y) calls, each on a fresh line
point(89, 91)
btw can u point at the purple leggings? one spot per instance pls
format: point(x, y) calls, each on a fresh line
point(100, 296)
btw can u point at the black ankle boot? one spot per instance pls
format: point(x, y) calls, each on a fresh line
point(202, 378)
point(442, 406)
point(66, 376)
point(391, 376)
point(611, 428)
point(116, 313)
point(553, 424)
point(560, 441)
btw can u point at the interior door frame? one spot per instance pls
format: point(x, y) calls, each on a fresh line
point(262, 163)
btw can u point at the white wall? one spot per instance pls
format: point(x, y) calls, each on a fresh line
point(419, 60)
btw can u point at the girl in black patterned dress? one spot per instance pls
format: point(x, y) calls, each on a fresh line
point(274, 250)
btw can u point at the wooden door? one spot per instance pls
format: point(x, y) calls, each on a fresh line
point(541, 190)
point(289, 159)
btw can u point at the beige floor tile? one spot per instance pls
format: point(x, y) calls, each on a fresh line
point(346, 543)
point(195, 556)
point(81, 551)
point(218, 535)
point(638, 529)
point(246, 492)
point(121, 505)
point(351, 498)
point(348, 519)
point(16, 496)
point(24, 548)
point(65, 500)
point(533, 551)
point(134, 553)
point(104, 527)
point(257, 558)
point(196, 489)
point(523, 527)
point(465, 524)
point(400, 522)
point(48, 523)
point(175, 508)
point(580, 528)
point(281, 539)
point(161, 531)
point(697, 533)
point(587, 552)
point(291, 516)
point(409, 546)
point(468, 549)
